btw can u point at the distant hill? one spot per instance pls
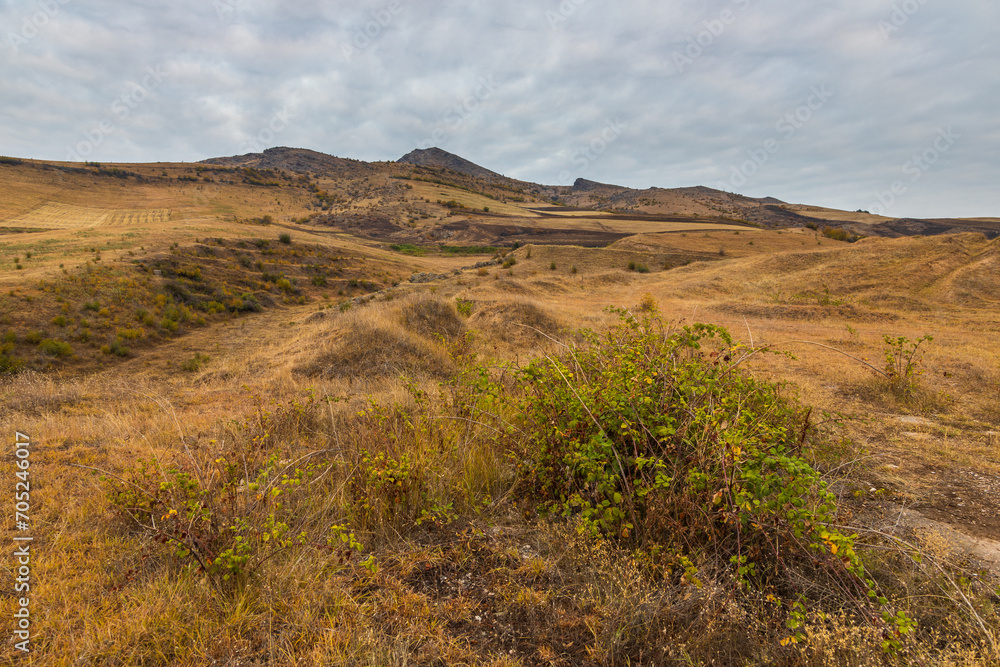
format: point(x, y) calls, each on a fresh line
point(436, 158)
point(699, 202)
point(299, 160)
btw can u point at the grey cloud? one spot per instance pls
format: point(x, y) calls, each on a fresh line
point(567, 67)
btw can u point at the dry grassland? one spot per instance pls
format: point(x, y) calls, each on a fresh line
point(362, 443)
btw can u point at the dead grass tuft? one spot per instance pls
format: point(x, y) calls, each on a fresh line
point(431, 316)
point(370, 346)
point(518, 322)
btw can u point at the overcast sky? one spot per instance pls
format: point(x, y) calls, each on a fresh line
point(885, 105)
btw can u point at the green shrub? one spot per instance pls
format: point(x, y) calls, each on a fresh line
point(130, 334)
point(838, 234)
point(116, 348)
point(657, 440)
point(55, 348)
point(285, 238)
point(60, 320)
point(245, 303)
point(10, 364)
point(192, 272)
point(510, 261)
point(464, 306)
point(195, 363)
point(34, 337)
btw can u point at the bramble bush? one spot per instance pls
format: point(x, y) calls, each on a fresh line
point(659, 441)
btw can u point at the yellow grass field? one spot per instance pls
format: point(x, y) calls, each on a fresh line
point(65, 216)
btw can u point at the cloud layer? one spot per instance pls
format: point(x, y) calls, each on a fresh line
point(884, 105)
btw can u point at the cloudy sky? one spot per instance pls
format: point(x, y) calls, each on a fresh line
point(885, 105)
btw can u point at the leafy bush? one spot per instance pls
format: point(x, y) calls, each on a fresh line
point(9, 363)
point(285, 238)
point(838, 234)
point(509, 262)
point(464, 306)
point(55, 348)
point(659, 441)
point(117, 348)
point(130, 334)
point(245, 303)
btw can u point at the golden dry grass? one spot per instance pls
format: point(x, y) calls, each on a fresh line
point(487, 588)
